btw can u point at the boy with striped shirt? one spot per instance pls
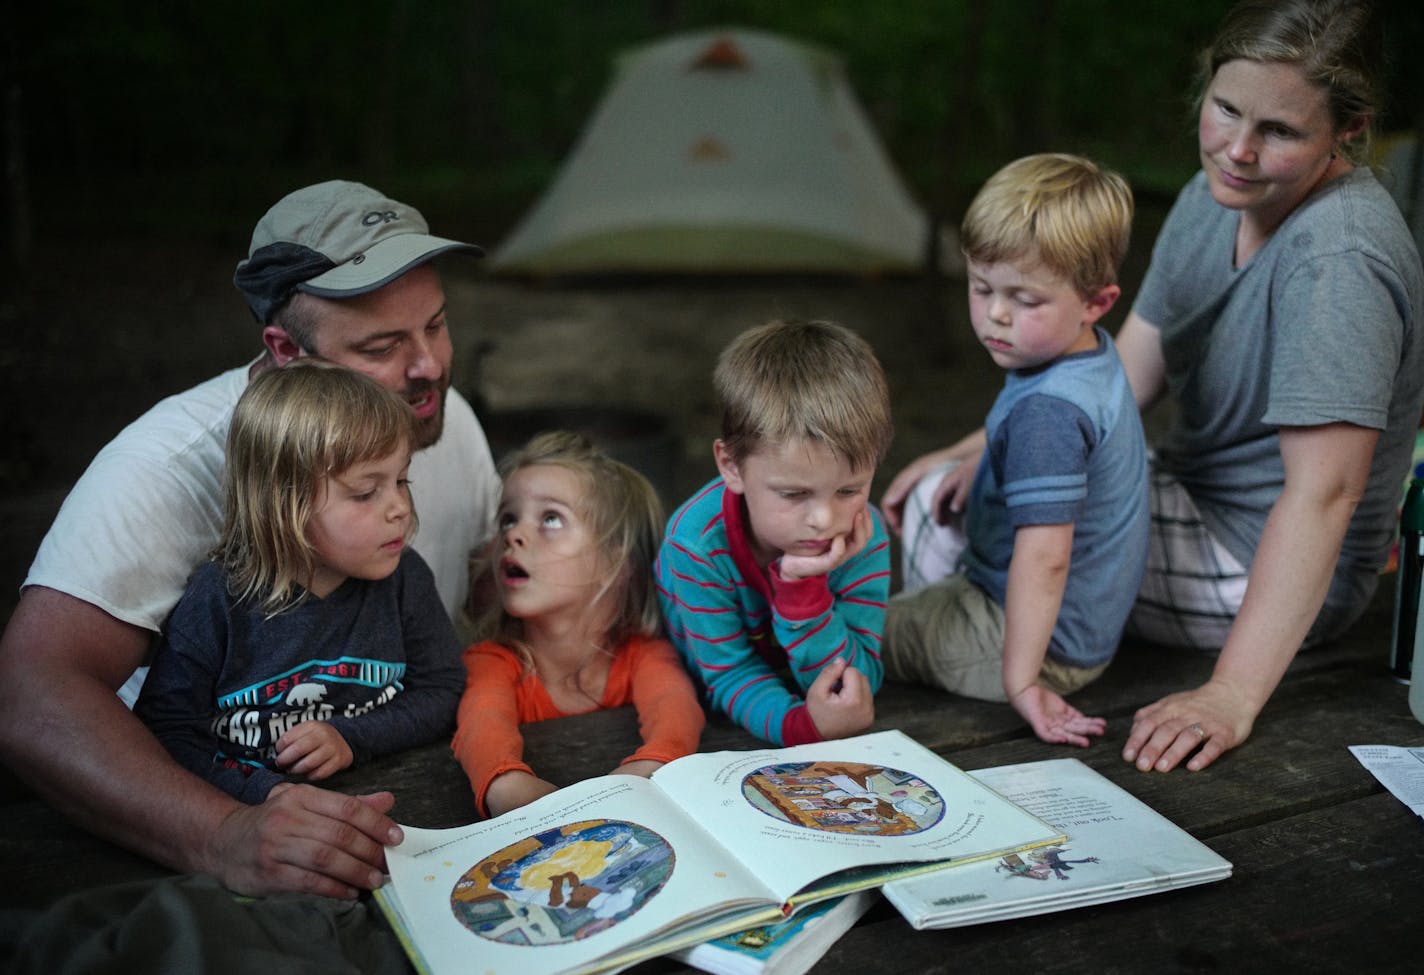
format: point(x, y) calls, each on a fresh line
point(773, 578)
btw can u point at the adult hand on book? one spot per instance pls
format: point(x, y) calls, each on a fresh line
point(840, 701)
point(307, 840)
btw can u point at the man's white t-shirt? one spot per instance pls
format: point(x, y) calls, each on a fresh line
point(149, 508)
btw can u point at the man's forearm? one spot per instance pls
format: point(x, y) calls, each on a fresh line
point(65, 732)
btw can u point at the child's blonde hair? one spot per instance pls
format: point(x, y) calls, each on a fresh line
point(624, 516)
point(292, 428)
point(1067, 213)
point(813, 380)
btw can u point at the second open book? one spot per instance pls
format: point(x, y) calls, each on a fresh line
point(1117, 847)
point(615, 869)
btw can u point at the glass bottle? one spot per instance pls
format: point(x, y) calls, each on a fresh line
point(1408, 583)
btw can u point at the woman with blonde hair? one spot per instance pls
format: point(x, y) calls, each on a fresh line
point(1281, 311)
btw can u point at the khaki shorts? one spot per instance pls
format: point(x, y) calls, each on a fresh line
point(950, 635)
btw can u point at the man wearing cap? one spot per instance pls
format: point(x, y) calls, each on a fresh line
point(335, 270)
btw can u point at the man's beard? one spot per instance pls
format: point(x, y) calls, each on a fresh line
point(428, 429)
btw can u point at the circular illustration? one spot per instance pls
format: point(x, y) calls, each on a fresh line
point(844, 797)
point(563, 884)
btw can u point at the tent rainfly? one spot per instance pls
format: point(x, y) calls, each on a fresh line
point(723, 151)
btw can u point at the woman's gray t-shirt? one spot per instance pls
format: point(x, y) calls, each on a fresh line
point(1320, 326)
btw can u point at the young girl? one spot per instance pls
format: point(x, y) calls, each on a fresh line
point(314, 638)
point(576, 622)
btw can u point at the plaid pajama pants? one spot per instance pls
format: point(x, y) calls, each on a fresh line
point(1193, 587)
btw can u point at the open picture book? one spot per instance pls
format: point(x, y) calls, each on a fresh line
point(615, 869)
point(1117, 847)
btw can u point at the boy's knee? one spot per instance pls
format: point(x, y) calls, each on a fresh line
point(948, 635)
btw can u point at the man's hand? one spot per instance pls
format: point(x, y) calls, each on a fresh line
point(307, 840)
point(643, 766)
point(840, 701)
point(314, 749)
point(1053, 719)
point(843, 547)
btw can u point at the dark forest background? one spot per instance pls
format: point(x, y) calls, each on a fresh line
point(173, 117)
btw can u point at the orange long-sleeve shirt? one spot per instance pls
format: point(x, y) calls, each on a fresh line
point(500, 696)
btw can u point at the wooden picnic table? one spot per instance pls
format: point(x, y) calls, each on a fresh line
point(1329, 868)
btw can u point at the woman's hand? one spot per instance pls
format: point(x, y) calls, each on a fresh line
point(1206, 721)
point(1326, 469)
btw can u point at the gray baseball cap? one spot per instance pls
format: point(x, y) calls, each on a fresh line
point(335, 239)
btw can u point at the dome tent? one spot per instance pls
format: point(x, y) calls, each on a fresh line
point(723, 151)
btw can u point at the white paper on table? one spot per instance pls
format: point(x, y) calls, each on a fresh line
point(1400, 770)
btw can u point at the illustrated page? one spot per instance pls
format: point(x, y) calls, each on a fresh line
point(577, 875)
point(797, 814)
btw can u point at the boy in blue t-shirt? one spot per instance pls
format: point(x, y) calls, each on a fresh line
point(1025, 600)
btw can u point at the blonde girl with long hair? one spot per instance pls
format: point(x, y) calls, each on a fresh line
point(314, 637)
point(576, 627)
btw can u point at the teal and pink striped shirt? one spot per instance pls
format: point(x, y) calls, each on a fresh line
point(737, 626)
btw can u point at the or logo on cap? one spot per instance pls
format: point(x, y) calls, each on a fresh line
point(374, 217)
